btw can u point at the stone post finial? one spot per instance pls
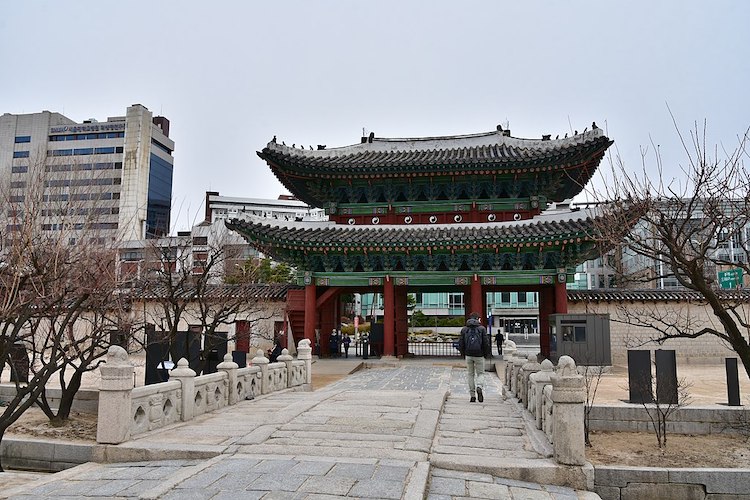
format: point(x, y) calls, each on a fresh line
point(261, 361)
point(531, 366)
point(230, 368)
point(568, 397)
point(115, 413)
point(537, 382)
point(186, 376)
point(287, 359)
point(304, 353)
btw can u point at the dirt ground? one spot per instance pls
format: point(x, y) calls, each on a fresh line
point(640, 449)
point(34, 423)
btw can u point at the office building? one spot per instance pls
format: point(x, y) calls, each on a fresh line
point(102, 181)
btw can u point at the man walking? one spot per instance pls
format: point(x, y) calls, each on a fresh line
point(472, 344)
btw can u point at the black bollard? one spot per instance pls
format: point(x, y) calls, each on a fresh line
point(733, 382)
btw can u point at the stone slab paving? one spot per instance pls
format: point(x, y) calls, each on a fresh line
point(452, 485)
point(402, 432)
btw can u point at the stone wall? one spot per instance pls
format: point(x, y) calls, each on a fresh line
point(85, 400)
point(623, 483)
point(687, 420)
point(707, 349)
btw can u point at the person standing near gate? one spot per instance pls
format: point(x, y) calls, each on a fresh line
point(473, 343)
point(346, 341)
point(499, 339)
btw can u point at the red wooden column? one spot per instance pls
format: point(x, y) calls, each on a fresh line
point(389, 317)
point(402, 321)
point(311, 313)
point(477, 298)
point(561, 298)
point(546, 307)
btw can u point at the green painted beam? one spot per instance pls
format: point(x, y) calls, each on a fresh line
point(489, 278)
point(417, 207)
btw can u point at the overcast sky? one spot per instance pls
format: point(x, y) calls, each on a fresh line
point(230, 75)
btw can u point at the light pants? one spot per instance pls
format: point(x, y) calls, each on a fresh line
point(475, 370)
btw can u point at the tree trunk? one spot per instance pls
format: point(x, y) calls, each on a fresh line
point(68, 395)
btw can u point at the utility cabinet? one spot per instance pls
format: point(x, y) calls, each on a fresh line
point(583, 337)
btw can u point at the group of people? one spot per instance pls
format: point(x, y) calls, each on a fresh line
point(336, 341)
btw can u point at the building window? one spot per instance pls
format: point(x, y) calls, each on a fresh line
point(20, 154)
point(60, 152)
point(118, 149)
point(18, 184)
point(104, 151)
point(161, 146)
point(200, 240)
point(19, 169)
point(20, 139)
point(521, 297)
point(132, 255)
point(82, 137)
point(505, 297)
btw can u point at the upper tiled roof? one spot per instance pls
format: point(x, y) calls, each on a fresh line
point(650, 295)
point(480, 154)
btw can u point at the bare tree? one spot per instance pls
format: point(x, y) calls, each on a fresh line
point(592, 376)
point(683, 230)
point(53, 265)
point(185, 281)
point(661, 409)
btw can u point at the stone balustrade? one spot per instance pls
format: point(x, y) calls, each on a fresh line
point(555, 397)
point(126, 411)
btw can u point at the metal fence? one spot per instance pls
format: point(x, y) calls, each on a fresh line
point(446, 349)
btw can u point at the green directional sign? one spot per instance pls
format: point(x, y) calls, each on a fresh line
point(730, 279)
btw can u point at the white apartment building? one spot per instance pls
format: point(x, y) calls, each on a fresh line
point(114, 177)
point(285, 207)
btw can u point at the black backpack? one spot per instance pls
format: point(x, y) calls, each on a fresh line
point(473, 342)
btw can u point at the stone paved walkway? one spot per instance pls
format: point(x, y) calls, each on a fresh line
point(407, 432)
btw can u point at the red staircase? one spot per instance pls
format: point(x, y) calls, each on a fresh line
point(295, 310)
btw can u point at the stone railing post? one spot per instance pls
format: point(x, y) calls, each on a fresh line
point(230, 367)
point(537, 381)
point(261, 361)
point(287, 359)
point(186, 377)
point(304, 353)
point(508, 355)
point(531, 366)
point(115, 412)
point(515, 367)
point(568, 397)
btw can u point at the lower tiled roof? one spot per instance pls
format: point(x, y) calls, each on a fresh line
point(328, 236)
point(651, 295)
point(254, 291)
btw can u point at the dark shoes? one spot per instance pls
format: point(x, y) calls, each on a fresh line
point(473, 400)
point(479, 394)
